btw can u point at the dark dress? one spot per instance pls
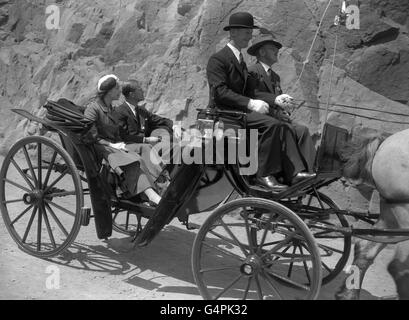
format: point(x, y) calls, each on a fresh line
point(129, 166)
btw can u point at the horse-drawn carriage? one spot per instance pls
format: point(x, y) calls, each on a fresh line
point(260, 245)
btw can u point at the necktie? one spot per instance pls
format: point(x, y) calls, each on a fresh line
point(241, 60)
point(269, 72)
point(242, 63)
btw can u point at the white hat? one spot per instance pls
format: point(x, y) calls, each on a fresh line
point(105, 83)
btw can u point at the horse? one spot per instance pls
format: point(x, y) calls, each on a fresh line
point(382, 162)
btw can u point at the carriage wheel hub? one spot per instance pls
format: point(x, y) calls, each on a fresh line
point(33, 197)
point(251, 266)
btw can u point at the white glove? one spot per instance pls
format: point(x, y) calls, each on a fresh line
point(258, 106)
point(119, 146)
point(285, 101)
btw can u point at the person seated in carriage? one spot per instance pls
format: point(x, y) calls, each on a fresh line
point(265, 48)
point(141, 127)
point(231, 88)
point(137, 177)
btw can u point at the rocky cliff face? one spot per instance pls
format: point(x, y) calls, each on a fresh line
point(165, 44)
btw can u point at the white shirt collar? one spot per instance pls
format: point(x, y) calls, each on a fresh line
point(266, 67)
point(132, 107)
point(235, 51)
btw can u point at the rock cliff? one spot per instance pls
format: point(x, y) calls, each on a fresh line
point(165, 44)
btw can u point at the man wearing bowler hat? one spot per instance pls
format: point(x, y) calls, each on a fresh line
point(231, 89)
point(265, 47)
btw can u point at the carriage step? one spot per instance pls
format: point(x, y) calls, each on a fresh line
point(85, 216)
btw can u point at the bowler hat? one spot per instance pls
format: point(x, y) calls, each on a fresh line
point(261, 40)
point(241, 20)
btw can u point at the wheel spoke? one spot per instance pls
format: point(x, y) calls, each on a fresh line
point(21, 215)
point(246, 291)
point(60, 208)
point(267, 277)
point(263, 238)
point(30, 166)
point(13, 201)
point(62, 174)
point(23, 175)
point(39, 225)
point(228, 287)
point(283, 252)
point(247, 226)
point(305, 266)
point(218, 269)
point(280, 245)
point(290, 270)
point(325, 247)
point(238, 243)
point(227, 253)
point(322, 262)
point(50, 167)
point(47, 223)
point(289, 281)
point(40, 169)
point(259, 291)
point(223, 238)
point(56, 219)
point(29, 224)
point(291, 260)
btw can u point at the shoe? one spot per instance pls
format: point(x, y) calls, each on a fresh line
point(302, 176)
point(271, 183)
point(150, 204)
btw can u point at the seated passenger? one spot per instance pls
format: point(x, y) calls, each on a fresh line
point(231, 87)
point(134, 175)
point(265, 48)
point(138, 125)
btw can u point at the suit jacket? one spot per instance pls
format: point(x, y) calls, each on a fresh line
point(134, 128)
point(229, 84)
point(266, 88)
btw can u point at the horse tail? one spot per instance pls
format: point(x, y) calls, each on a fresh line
point(358, 155)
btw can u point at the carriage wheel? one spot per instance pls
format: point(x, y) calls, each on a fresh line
point(237, 253)
point(41, 196)
point(334, 247)
point(127, 222)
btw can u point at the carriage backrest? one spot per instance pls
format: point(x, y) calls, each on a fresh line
point(70, 117)
point(328, 156)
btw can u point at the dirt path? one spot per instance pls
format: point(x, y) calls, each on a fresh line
point(101, 270)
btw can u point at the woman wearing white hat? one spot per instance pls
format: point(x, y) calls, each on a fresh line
point(128, 165)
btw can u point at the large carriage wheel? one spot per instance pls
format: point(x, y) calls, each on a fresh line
point(238, 253)
point(334, 246)
point(41, 196)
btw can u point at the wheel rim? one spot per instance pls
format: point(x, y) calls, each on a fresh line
point(334, 247)
point(126, 222)
point(237, 253)
point(41, 196)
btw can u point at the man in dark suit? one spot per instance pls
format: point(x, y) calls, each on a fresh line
point(231, 88)
point(145, 129)
point(138, 123)
point(268, 89)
